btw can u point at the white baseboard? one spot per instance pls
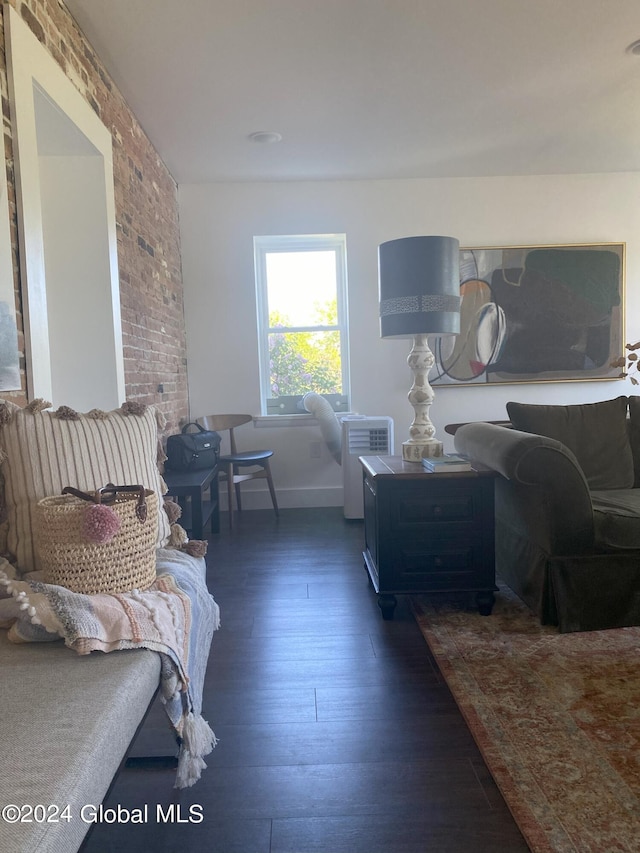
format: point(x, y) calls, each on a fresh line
point(287, 498)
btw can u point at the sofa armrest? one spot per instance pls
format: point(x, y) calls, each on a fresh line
point(547, 496)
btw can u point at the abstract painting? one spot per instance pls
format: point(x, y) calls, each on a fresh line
point(535, 314)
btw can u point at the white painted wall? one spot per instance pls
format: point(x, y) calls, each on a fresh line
point(218, 222)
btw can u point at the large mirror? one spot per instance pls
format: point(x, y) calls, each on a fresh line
point(67, 228)
point(9, 358)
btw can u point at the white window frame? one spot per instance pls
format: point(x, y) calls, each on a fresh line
point(264, 245)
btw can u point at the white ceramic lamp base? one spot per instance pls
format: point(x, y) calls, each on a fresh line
point(421, 443)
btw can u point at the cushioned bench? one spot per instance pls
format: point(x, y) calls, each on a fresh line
point(67, 721)
point(67, 718)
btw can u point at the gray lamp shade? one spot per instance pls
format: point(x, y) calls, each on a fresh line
point(419, 287)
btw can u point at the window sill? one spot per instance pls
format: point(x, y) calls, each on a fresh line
point(270, 421)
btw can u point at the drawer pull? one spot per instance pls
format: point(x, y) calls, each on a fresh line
point(437, 510)
point(437, 561)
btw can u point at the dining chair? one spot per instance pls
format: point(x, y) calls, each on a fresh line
point(232, 466)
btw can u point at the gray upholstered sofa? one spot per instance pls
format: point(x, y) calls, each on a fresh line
point(567, 508)
point(68, 718)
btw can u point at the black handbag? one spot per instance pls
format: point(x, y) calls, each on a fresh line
point(193, 451)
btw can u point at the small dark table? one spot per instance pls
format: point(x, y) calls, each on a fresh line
point(197, 508)
point(428, 532)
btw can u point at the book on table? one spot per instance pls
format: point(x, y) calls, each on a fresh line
point(447, 462)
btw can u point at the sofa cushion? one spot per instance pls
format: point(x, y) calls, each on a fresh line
point(634, 435)
point(616, 518)
point(44, 451)
point(596, 433)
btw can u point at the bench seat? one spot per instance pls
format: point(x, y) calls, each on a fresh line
point(67, 747)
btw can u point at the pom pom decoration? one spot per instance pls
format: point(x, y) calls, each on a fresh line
point(98, 415)
point(37, 405)
point(100, 524)
point(173, 510)
point(161, 456)
point(131, 407)
point(6, 414)
point(178, 536)
point(196, 548)
point(65, 413)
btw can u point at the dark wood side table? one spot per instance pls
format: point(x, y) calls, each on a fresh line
point(428, 532)
point(197, 508)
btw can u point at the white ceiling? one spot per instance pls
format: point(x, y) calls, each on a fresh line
point(376, 88)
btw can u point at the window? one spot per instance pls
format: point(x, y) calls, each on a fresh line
point(302, 320)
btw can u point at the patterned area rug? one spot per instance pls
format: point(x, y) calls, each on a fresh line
point(556, 717)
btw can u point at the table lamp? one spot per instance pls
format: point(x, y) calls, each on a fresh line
point(420, 295)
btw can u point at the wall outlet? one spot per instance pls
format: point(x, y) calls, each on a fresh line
point(314, 449)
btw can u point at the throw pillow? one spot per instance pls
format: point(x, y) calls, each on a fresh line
point(596, 433)
point(43, 451)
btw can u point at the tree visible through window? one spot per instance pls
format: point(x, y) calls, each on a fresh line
point(300, 283)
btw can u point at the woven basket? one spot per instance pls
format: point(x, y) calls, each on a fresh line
point(127, 561)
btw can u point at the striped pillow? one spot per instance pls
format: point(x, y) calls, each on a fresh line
point(44, 451)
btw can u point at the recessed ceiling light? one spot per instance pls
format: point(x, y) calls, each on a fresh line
point(634, 47)
point(265, 136)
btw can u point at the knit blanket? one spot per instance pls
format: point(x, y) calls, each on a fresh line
point(175, 617)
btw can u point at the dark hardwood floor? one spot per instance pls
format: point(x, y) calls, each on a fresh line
point(336, 732)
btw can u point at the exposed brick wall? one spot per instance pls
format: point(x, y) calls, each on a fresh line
point(146, 213)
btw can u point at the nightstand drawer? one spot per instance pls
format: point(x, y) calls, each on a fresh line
point(422, 504)
point(417, 509)
point(415, 567)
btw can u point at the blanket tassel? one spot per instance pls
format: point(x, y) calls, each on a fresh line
point(197, 740)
